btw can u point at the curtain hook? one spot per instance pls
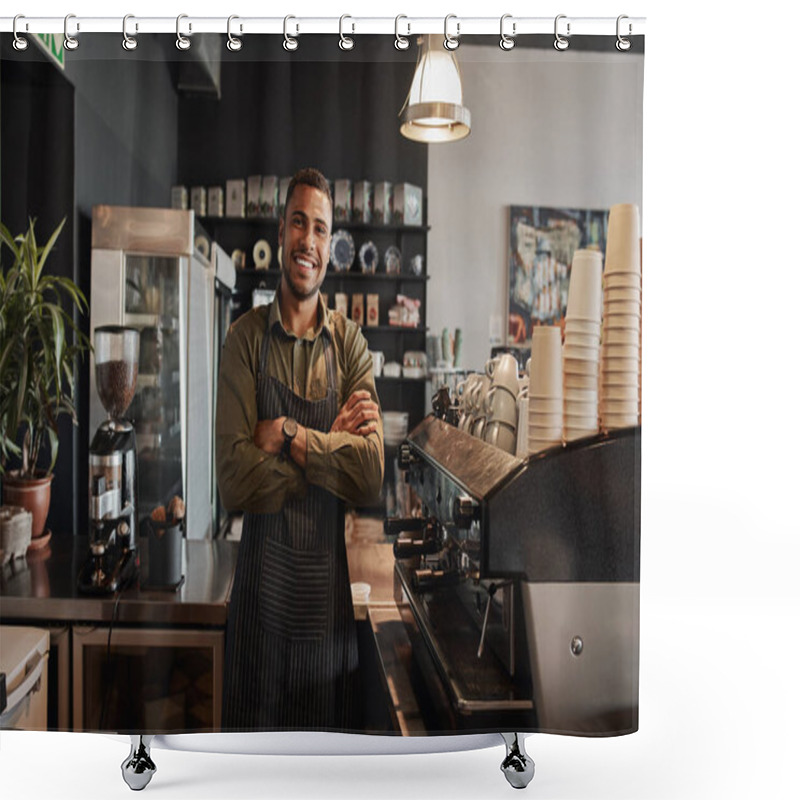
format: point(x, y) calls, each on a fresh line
point(289, 43)
point(623, 43)
point(128, 42)
point(346, 42)
point(234, 43)
point(400, 42)
point(506, 41)
point(560, 42)
point(182, 43)
point(20, 42)
point(70, 42)
point(451, 42)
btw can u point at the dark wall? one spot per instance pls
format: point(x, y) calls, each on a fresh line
point(315, 107)
point(103, 130)
point(37, 178)
point(126, 145)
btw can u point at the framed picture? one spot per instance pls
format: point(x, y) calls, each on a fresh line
point(541, 244)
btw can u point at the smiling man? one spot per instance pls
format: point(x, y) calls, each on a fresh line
point(298, 433)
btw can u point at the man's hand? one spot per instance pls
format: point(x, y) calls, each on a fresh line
point(268, 435)
point(358, 415)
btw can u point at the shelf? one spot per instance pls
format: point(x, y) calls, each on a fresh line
point(350, 226)
point(144, 320)
point(390, 329)
point(332, 275)
point(400, 379)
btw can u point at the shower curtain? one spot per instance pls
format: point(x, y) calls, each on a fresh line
point(424, 239)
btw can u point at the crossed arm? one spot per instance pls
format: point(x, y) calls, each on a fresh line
point(252, 476)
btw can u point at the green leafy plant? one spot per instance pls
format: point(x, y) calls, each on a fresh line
point(37, 353)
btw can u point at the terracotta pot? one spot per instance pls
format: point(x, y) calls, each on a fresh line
point(31, 494)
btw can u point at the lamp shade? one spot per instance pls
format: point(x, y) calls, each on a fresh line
point(434, 110)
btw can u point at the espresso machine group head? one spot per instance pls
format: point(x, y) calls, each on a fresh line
point(113, 491)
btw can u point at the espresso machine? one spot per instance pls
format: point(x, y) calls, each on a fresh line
point(519, 583)
point(113, 494)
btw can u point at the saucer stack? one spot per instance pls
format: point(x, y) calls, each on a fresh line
point(582, 345)
point(620, 387)
point(545, 390)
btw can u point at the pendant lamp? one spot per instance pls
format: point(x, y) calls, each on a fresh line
point(434, 110)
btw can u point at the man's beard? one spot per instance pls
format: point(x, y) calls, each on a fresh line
point(297, 292)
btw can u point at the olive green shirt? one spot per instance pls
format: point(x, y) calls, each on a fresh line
point(349, 466)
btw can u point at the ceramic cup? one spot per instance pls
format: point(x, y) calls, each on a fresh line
point(503, 370)
point(501, 404)
point(378, 360)
point(502, 436)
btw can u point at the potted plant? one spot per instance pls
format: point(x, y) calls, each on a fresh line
point(37, 359)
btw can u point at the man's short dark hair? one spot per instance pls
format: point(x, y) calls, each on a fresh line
point(308, 176)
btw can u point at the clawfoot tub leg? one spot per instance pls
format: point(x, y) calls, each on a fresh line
point(518, 766)
point(138, 768)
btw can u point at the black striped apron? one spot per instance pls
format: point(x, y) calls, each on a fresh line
point(291, 654)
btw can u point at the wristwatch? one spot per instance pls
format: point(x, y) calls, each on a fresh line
point(289, 432)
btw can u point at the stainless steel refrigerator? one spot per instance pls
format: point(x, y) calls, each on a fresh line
point(155, 269)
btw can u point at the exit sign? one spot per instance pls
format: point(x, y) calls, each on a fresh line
point(53, 45)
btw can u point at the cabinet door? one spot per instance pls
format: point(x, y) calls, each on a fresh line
point(159, 681)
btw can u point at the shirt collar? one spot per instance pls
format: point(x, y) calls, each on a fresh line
point(324, 321)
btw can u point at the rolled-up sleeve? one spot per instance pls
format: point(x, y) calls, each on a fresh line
point(248, 478)
point(348, 465)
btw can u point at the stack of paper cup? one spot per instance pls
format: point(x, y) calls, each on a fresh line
point(545, 390)
point(582, 345)
point(620, 394)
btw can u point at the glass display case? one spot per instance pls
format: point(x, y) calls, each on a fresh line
point(153, 270)
point(152, 294)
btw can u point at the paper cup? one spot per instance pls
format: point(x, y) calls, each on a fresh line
point(580, 396)
point(630, 365)
point(546, 371)
point(573, 408)
point(545, 433)
point(545, 405)
point(617, 421)
point(620, 379)
point(585, 285)
point(628, 337)
point(622, 242)
point(554, 420)
point(583, 326)
point(625, 321)
point(631, 307)
point(622, 280)
point(630, 393)
point(539, 446)
point(572, 352)
point(621, 351)
point(578, 433)
point(581, 340)
point(579, 366)
point(622, 295)
point(578, 381)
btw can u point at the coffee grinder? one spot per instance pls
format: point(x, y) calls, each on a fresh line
point(113, 491)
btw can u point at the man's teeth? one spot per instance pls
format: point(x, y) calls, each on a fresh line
point(304, 263)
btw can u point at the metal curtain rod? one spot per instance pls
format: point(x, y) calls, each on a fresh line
point(406, 26)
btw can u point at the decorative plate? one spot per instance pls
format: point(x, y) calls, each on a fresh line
point(393, 260)
point(343, 250)
point(262, 254)
point(368, 257)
